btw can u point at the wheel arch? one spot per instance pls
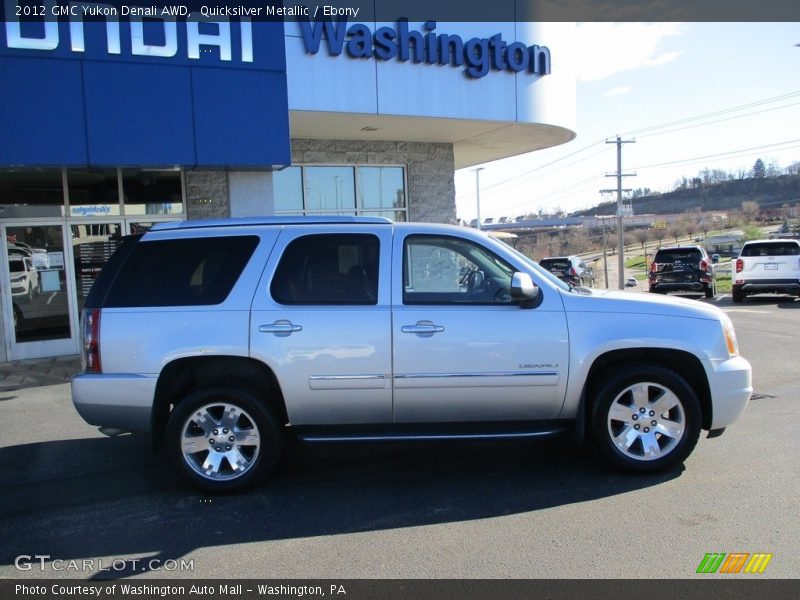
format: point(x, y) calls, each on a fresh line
point(185, 375)
point(684, 363)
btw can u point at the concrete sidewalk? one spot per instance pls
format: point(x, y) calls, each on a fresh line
point(36, 372)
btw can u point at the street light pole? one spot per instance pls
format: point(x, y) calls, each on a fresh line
point(620, 231)
point(478, 194)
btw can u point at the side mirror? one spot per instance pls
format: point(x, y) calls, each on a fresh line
point(523, 290)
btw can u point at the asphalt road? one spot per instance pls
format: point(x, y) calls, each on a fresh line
point(520, 510)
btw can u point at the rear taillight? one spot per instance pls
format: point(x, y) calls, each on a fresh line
point(739, 265)
point(653, 268)
point(703, 265)
point(91, 341)
point(573, 272)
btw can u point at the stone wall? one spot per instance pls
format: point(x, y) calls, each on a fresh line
point(429, 170)
point(207, 195)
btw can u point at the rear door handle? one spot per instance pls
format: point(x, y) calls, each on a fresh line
point(422, 328)
point(281, 328)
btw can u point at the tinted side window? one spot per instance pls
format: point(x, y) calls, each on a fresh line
point(188, 272)
point(328, 269)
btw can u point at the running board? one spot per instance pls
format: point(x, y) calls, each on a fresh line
point(323, 434)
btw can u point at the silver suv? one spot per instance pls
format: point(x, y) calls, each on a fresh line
point(222, 338)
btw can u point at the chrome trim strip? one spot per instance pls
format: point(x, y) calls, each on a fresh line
point(392, 437)
point(473, 375)
point(345, 377)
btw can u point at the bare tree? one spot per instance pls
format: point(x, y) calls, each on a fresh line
point(676, 231)
point(659, 235)
point(642, 236)
point(750, 209)
point(690, 228)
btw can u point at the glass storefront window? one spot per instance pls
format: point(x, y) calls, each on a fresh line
point(152, 191)
point(330, 189)
point(381, 187)
point(288, 186)
point(341, 190)
point(38, 283)
point(92, 245)
point(93, 192)
point(31, 193)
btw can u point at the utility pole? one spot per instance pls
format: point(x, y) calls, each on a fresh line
point(620, 231)
point(478, 193)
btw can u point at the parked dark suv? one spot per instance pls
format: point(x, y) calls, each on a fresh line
point(682, 269)
point(569, 269)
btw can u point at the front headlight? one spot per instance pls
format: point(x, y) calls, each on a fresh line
point(730, 336)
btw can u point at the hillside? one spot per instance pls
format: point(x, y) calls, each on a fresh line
point(769, 192)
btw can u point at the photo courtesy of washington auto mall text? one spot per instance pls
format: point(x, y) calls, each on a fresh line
point(200, 589)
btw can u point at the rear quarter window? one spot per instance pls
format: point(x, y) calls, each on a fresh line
point(185, 272)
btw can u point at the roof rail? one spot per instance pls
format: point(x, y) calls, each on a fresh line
point(287, 220)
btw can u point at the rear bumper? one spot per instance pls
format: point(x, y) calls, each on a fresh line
point(695, 286)
point(731, 387)
point(769, 285)
point(122, 401)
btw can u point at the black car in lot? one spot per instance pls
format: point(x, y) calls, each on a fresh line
point(570, 269)
point(682, 269)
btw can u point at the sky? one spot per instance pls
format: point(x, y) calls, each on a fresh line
point(632, 80)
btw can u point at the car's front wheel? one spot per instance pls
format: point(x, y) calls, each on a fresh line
point(223, 439)
point(646, 418)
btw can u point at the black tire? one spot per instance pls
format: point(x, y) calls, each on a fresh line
point(709, 291)
point(663, 388)
point(205, 416)
point(737, 296)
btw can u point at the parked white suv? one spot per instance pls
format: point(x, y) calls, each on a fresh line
point(221, 338)
point(767, 266)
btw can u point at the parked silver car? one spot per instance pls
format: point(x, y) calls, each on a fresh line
point(221, 338)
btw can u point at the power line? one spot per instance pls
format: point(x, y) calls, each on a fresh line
point(757, 112)
point(720, 154)
point(715, 113)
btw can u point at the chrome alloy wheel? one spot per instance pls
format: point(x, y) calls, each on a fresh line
point(646, 421)
point(220, 441)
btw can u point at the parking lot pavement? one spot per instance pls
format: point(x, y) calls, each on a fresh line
point(20, 374)
point(522, 510)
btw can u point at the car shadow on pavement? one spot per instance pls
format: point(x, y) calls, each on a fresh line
point(110, 497)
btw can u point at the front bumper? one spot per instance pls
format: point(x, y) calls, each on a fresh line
point(121, 401)
point(731, 384)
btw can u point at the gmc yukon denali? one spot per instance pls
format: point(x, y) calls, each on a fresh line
point(223, 338)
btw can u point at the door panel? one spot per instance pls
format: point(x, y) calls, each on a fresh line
point(322, 316)
point(463, 352)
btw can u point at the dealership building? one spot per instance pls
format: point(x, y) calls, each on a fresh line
point(110, 126)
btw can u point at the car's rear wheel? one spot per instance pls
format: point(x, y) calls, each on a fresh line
point(709, 291)
point(737, 296)
point(223, 439)
point(646, 418)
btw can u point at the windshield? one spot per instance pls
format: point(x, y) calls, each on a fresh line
point(541, 271)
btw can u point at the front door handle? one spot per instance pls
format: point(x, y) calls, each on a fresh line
point(426, 328)
point(280, 328)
